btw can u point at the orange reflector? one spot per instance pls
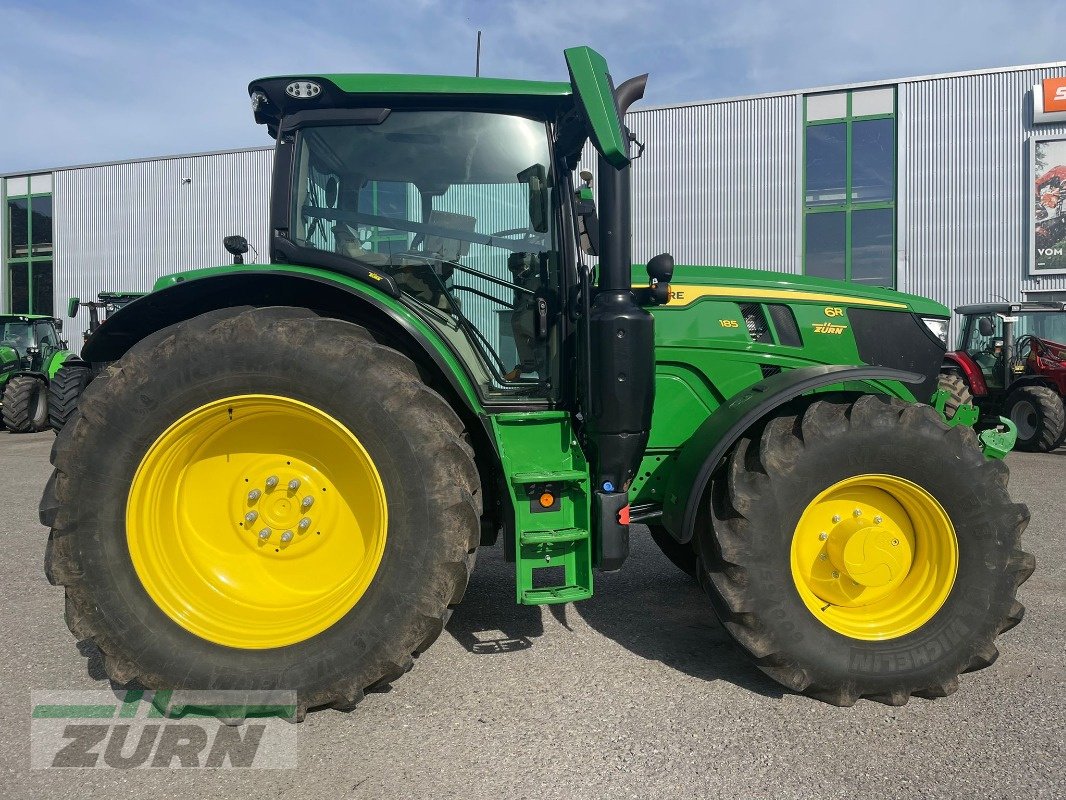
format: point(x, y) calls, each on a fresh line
point(547, 500)
point(623, 516)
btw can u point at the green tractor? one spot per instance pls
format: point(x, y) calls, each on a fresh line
point(68, 383)
point(281, 473)
point(31, 354)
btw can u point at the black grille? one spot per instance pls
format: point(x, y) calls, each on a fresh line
point(788, 332)
point(768, 370)
point(898, 340)
point(755, 319)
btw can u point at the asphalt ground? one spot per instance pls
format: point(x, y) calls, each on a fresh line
point(635, 693)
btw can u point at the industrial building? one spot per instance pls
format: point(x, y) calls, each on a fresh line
point(950, 186)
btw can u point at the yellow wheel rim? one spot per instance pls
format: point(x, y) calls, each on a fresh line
point(874, 557)
point(256, 521)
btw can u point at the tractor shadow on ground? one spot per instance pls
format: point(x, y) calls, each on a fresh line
point(649, 607)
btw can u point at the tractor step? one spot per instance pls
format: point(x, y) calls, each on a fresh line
point(551, 497)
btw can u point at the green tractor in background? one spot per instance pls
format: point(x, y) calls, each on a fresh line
point(31, 354)
point(281, 473)
point(74, 375)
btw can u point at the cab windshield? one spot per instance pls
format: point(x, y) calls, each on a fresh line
point(17, 334)
point(456, 207)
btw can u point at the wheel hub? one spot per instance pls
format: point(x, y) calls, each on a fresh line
point(287, 507)
point(874, 556)
point(256, 521)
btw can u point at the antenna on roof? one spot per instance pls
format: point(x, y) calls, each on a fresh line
point(477, 57)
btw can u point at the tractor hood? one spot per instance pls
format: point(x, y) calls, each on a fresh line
point(690, 283)
point(9, 358)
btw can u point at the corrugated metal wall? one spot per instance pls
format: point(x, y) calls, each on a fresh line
point(965, 191)
point(118, 227)
point(718, 183)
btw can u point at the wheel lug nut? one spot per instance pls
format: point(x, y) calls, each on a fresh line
point(287, 536)
point(254, 495)
point(836, 574)
point(836, 518)
point(307, 502)
point(305, 523)
point(823, 536)
point(895, 542)
point(823, 556)
point(857, 512)
point(294, 484)
point(878, 520)
point(271, 482)
point(251, 516)
point(264, 534)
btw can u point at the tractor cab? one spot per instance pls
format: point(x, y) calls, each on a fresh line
point(31, 340)
point(461, 210)
point(1007, 341)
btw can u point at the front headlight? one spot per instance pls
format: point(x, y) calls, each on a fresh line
point(939, 328)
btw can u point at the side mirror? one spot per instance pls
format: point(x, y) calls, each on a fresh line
point(588, 223)
point(660, 271)
point(237, 247)
point(985, 326)
point(73, 304)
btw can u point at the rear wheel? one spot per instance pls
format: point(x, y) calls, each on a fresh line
point(262, 485)
point(1038, 414)
point(849, 562)
point(25, 407)
point(63, 392)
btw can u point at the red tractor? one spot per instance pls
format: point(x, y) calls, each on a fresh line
point(1011, 361)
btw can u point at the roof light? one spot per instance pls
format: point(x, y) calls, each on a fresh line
point(258, 99)
point(303, 90)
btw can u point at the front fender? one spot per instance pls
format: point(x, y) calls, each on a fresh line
point(701, 455)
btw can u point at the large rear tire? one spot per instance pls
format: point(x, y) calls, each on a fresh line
point(864, 549)
point(63, 393)
point(166, 567)
point(1038, 413)
point(25, 407)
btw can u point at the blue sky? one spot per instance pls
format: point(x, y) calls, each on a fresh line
point(95, 81)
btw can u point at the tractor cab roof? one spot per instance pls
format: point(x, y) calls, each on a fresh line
point(278, 96)
point(1010, 308)
point(25, 318)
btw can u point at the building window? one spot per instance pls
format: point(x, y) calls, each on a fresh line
point(28, 251)
point(849, 192)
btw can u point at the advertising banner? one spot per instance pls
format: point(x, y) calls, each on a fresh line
point(1048, 223)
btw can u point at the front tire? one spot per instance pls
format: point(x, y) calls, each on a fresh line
point(25, 407)
point(959, 393)
point(864, 549)
point(1038, 413)
point(183, 435)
